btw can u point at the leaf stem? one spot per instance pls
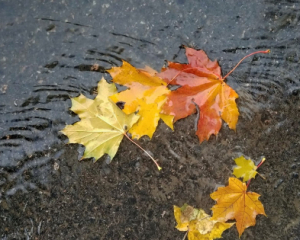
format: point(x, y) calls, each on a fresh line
point(261, 162)
point(248, 183)
point(185, 235)
point(261, 176)
point(266, 51)
point(159, 168)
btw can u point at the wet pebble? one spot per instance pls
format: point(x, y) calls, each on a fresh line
point(293, 166)
point(56, 166)
point(278, 183)
point(295, 175)
point(4, 205)
point(3, 88)
point(2, 181)
point(51, 27)
point(106, 170)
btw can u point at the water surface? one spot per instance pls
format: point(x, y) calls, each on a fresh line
point(52, 51)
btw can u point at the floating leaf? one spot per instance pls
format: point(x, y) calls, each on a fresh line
point(146, 94)
point(201, 85)
point(234, 202)
point(102, 124)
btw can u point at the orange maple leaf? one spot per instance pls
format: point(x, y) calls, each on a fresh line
point(146, 94)
point(201, 85)
point(234, 202)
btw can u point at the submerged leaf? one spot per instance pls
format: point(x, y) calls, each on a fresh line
point(198, 223)
point(146, 94)
point(234, 202)
point(102, 125)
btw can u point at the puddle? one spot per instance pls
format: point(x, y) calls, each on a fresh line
point(54, 51)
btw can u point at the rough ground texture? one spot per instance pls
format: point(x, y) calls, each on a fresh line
point(47, 50)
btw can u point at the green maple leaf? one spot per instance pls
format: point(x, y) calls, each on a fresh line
point(102, 125)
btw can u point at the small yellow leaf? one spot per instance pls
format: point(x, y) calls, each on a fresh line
point(102, 124)
point(245, 169)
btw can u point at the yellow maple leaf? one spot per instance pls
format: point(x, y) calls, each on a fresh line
point(198, 223)
point(234, 202)
point(102, 124)
point(245, 169)
point(146, 94)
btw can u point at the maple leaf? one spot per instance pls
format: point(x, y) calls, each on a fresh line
point(245, 169)
point(146, 94)
point(234, 202)
point(201, 84)
point(102, 124)
point(198, 223)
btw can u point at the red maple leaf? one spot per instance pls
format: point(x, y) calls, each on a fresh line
point(202, 86)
